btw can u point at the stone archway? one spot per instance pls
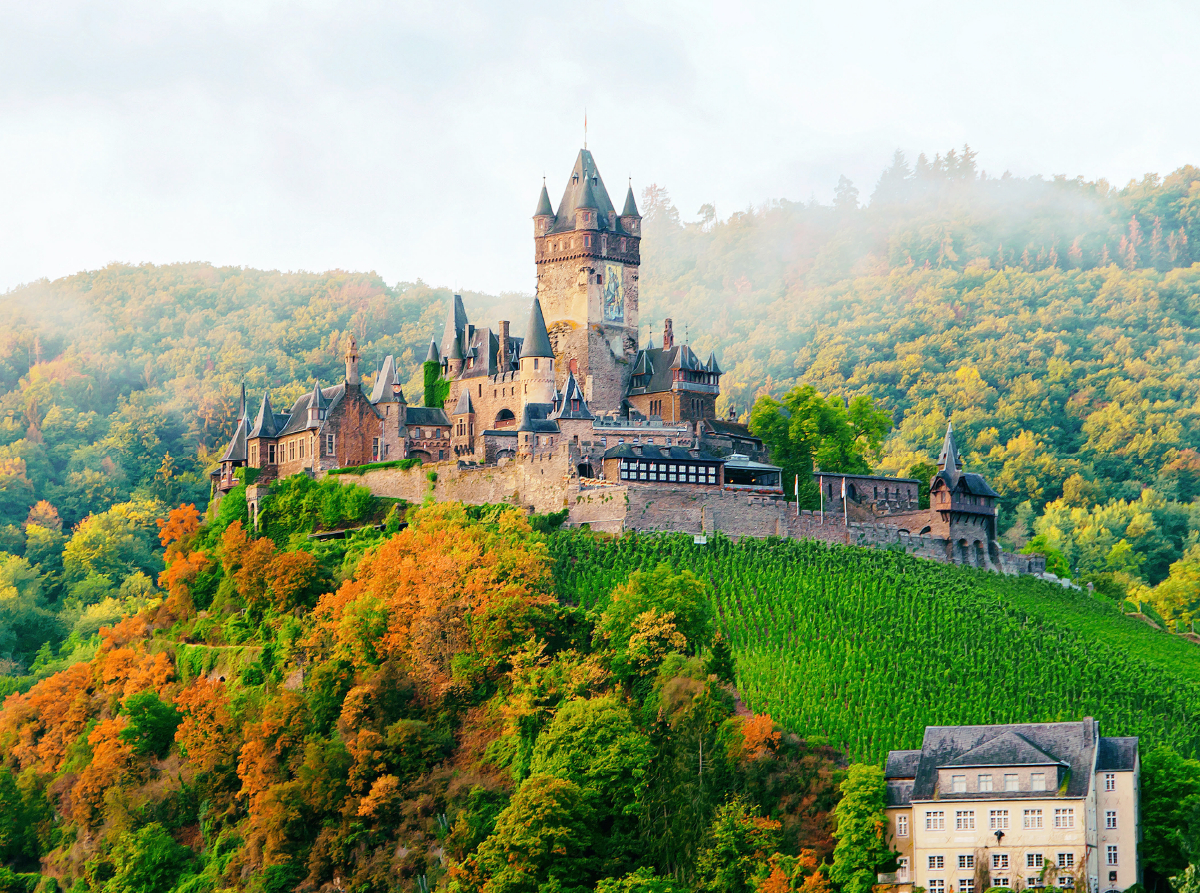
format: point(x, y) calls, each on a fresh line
point(504, 419)
point(586, 470)
point(978, 553)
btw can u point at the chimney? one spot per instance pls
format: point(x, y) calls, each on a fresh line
point(352, 377)
point(668, 335)
point(505, 358)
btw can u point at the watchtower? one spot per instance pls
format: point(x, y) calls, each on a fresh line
point(587, 257)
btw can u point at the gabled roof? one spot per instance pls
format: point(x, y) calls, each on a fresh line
point(536, 419)
point(264, 424)
point(426, 416)
point(686, 361)
point(902, 764)
point(731, 429)
point(661, 362)
point(537, 340)
point(571, 395)
point(543, 205)
point(464, 406)
point(433, 356)
point(1008, 749)
point(630, 209)
point(1069, 744)
point(382, 392)
point(650, 451)
point(331, 398)
point(643, 364)
point(966, 482)
point(1117, 755)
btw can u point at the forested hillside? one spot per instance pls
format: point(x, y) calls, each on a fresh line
point(1054, 322)
point(427, 707)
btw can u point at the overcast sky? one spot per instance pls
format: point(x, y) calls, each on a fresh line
point(411, 138)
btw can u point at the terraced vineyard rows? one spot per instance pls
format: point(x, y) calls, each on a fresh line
point(865, 647)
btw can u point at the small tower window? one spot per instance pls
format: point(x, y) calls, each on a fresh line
point(535, 362)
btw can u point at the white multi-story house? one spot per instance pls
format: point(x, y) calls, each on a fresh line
point(1018, 806)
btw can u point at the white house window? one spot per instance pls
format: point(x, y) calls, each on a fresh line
point(1000, 862)
point(1001, 882)
point(937, 863)
point(1064, 818)
point(1033, 860)
point(935, 821)
point(1010, 783)
point(901, 820)
point(329, 445)
point(902, 869)
point(1037, 781)
point(1111, 853)
point(964, 820)
point(1066, 860)
point(966, 861)
point(936, 885)
point(1110, 819)
point(1033, 882)
point(1033, 818)
point(1066, 882)
point(985, 784)
point(966, 885)
point(958, 784)
point(998, 820)
point(1110, 781)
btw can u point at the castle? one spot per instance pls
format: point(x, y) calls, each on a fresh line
point(574, 412)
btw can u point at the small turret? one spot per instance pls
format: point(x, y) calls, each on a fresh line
point(264, 425)
point(352, 376)
point(454, 362)
point(631, 220)
point(949, 459)
point(433, 356)
point(586, 209)
point(537, 359)
point(543, 217)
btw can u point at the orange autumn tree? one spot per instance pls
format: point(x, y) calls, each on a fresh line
point(442, 587)
point(177, 533)
point(265, 577)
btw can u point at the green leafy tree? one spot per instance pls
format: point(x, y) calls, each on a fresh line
point(147, 861)
point(152, 724)
point(862, 849)
point(739, 844)
point(644, 880)
point(808, 428)
point(1170, 807)
point(545, 836)
point(922, 471)
point(652, 614)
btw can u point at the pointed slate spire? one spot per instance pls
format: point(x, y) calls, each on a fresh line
point(264, 425)
point(949, 458)
point(382, 391)
point(711, 365)
point(543, 206)
point(630, 209)
point(537, 339)
point(456, 326)
point(571, 404)
point(318, 400)
point(433, 356)
point(586, 200)
point(464, 405)
point(242, 406)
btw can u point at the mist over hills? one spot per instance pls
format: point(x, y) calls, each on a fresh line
point(1053, 321)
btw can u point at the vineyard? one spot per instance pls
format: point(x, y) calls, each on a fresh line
point(865, 647)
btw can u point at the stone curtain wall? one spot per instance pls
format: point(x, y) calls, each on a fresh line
point(539, 483)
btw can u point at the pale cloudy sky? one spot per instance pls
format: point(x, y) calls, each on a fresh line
point(410, 138)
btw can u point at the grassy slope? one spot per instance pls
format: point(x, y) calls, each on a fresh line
point(866, 647)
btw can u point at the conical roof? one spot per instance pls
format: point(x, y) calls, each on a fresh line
point(456, 325)
point(455, 349)
point(711, 365)
point(584, 173)
point(537, 339)
point(543, 205)
point(949, 458)
point(630, 209)
point(586, 200)
point(318, 398)
point(242, 406)
point(264, 425)
point(236, 451)
point(464, 407)
point(433, 356)
point(382, 391)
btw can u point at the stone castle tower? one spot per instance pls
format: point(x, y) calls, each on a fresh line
point(587, 257)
